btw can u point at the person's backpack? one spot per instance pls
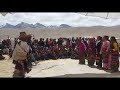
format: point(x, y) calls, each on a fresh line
point(18, 53)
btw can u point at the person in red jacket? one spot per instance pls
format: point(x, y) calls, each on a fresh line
point(81, 50)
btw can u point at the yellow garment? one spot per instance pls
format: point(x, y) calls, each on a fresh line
point(116, 48)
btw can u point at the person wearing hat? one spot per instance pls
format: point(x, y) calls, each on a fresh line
point(21, 66)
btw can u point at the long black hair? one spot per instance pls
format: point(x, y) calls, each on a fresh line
point(106, 37)
point(114, 40)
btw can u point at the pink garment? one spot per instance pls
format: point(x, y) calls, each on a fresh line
point(105, 65)
point(105, 46)
point(109, 64)
point(82, 48)
point(104, 49)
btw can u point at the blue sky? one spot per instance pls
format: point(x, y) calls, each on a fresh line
point(73, 19)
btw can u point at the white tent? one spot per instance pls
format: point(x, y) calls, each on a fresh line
point(103, 14)
point(114, 15)
point(4, 13)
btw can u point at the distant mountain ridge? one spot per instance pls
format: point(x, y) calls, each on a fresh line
point(24, 25)
point(8, 26)
point(37, 25)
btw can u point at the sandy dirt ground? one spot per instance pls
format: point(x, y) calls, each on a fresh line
point(6, 67)
point(55, 68)
point(62, 68)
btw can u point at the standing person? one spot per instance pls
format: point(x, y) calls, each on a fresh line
point(104, 52)
point(11, 47)
point(46, 43)
point(114, 55)
point(91, 52)
point(1, 46)
point(50, 42)
point(1, 51)
point(15, 41)
point(73, 43)
point(85, 42)
point(43, 42)
point(60, 42)
point(81, 50)
point(98, 55)
point(40, 41)
point(31, 57)
point(68, 46)
point(20, 55)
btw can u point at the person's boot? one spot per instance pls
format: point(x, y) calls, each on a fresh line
point(18, 74)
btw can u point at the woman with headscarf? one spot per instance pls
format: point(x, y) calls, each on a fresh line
point(91, 52)
point(81, 51)
point(105, 53)
point(114, 55)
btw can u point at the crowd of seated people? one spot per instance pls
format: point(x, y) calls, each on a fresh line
point(104, 51)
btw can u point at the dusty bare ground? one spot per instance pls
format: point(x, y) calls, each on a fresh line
point(56, 68)
point(6, 67)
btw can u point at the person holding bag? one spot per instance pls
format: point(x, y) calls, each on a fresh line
point(20, 55)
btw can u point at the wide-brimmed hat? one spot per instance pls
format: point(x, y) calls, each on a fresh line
point(28, 37)
point(22, 33)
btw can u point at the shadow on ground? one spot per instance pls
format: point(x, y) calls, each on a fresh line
point(88, 75)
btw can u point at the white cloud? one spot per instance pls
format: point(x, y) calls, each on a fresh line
point(74, 19)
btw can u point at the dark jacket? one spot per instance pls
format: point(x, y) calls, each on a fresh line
point(98, 46)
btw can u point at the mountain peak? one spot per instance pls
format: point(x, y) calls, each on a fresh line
point(64, 26)
point(38, 25)
point(24, 25)
point(7, 26)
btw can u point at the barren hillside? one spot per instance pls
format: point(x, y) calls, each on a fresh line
point(63, 32)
